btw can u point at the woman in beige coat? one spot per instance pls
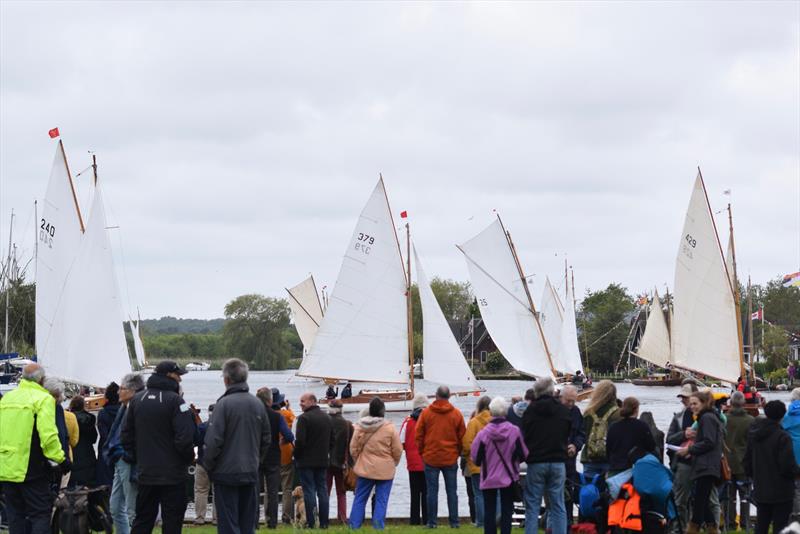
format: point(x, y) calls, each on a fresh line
point(376, 449)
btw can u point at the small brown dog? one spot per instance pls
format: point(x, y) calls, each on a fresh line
point(299, 508)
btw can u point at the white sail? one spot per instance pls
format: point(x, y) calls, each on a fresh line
point(704, 332)
point(59, 237)
point(503, 302)
point(569, 335)
point(306, 310)
point(138, 346)
point(655, 344)
point(729, 263)
point(364, 333)
point(551, 317)
point(444, 362)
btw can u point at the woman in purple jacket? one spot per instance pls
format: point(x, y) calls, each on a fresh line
point(498, 449)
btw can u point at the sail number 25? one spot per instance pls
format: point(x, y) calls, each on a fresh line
point(364, 242)
point(47, 232)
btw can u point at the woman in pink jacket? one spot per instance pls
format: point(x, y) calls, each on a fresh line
point(498, 450)
point(376, 448)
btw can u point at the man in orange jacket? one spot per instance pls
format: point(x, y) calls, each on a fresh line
point(439, 432)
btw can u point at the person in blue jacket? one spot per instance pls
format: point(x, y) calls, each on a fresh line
point(791, 423)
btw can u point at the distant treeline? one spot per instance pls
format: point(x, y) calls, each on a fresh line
point(173, 325)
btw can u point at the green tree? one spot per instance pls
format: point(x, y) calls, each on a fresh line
point(601, 321)
point(254, 329)
point(454, 298)
point(21, 317)
point(496, 363)
point(775, 347)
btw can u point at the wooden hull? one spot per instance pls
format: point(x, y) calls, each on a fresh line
point(664, 382)
point(585, 393)
point(395, 400)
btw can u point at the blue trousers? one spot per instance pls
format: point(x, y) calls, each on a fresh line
point(315, 488)
point(545, 479)
point(363, 489)
point(450, 474)
point(123, 497)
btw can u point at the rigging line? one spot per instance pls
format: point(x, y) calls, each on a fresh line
point(604, 335)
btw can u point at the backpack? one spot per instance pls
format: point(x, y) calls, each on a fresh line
point(81, 510)
point(589, 497)
point(596, 444)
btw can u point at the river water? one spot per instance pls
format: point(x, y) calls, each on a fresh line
point(203, 388)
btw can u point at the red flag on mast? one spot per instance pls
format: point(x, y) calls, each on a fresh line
point(403, 214)
point(53, 133)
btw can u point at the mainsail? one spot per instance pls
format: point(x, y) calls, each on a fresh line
point(704, 331)
point(655, 344)
point(443, 361)
point(569, 334)
point(551, 317)
point(364, 333)
point(503, 301)
point(306, 310)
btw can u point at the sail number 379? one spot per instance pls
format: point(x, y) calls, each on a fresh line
point(47, 232)
point(364, 243)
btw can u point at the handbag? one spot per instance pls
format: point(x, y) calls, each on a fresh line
point(724, 469)
point(349, 475)
point(516, 486)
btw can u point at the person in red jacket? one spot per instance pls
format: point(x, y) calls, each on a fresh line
point(439, 432)
point(416, 468)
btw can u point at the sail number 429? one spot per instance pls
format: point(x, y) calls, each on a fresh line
point(47, 232)
point(364, 242)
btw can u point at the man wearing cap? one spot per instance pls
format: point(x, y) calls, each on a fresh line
point(270, 469)
point(29, 444)
point(158, 435)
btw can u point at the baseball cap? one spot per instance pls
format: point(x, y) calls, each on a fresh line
point(687, 390)
point(168, 366)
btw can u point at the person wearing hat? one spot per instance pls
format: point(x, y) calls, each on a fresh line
point(158, 435)
point(680, 431)
point(270, 469)
point(770, 462)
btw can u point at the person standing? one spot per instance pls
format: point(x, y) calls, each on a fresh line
point(270, 470)
point(439, 434)
point(312, 446)
point(706, 455)
point(376, 449)
point(498, 449)
point(769, 460)
point(736, 431)
point(236, 444)
point(28, 442)
point(518, 407)
point(105, 419)
point(546, 426)
point(601, 413)
point(680, 431)
point(791, 423)
point(66, 423)
point(342, 433)
point(202, 482)
point(575, 442)
point(416, 469)
point(658, 435)
point(287, 454)
point(122, 464)
point(158, 435)
point(475, 425)
point(83, 457)
point(625, 434)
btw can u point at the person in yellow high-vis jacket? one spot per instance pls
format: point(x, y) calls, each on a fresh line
point(28, 444)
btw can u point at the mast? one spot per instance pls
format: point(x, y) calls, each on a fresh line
point(72, 186)
point(7, 284)
point(524, 281)
point(736, 298)
point(750, 330)
point(408, 310)
point(94, 168)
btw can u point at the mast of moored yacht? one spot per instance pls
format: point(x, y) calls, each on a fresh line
point(7, 284)
point(736, 300)
point(531, 306)
point(409, 315)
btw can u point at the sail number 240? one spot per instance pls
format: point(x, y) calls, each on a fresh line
point(364, 242)
point(47, 232)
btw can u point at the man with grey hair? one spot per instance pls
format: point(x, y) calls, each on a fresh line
point(737, 428)
point(29, 444)
point(122, 464)
point(236, 443)
point(546, 425)
point(439, 437)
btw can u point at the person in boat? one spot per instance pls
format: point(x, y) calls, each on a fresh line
point(578, 378)
point(331, 393)
point(347, 391)
point(29, 444)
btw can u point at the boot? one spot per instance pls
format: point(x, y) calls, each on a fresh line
point(692, 528)
point(712, 529)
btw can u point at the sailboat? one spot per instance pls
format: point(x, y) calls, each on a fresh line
point(138, 345)
point(365, 333)
point(306, 310)
point(559, 325)
point(79, 327)
point(655, 347)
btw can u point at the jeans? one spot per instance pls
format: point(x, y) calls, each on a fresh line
point(312, 479)
point(505, 496)
point(123, 497)
point(475, 480)
point(450, 474)
point(287, 485)
point(336, 474)
point(363, 489)
point(272, 481)
point(419, 497)
point(31, 501)
point(171, 499)
point(545, 479)
point(237, 507)
point(590, 469)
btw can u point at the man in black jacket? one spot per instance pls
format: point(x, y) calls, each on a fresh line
point(157, 435)
point(575, 442)
point(270, 469)
point(236, 443)
point(342, 433)
point(546, 425)
point(312, 447)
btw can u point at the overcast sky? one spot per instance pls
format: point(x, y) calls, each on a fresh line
point(238, 142)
